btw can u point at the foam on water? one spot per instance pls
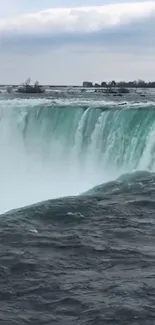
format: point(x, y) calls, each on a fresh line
point(51, 149)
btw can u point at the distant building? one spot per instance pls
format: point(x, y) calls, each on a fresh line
point(87, 84)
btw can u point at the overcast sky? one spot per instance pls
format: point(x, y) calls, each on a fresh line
point(68, 41)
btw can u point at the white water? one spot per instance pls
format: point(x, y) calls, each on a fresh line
point(48, 151)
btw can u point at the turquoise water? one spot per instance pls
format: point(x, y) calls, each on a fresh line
point(51, 149)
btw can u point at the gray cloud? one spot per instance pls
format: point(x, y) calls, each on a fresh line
point(114, 26)
point(10, 8)
point(114, 41)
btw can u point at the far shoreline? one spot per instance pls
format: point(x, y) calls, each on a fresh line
point(136, 84)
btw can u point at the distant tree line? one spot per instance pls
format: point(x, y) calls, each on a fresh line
point(121, 84)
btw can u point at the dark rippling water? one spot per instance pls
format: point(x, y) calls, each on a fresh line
point(82, 260)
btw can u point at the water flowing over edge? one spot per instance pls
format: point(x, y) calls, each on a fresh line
point(52, 149)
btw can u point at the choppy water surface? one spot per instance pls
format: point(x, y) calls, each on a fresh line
point(87, 258)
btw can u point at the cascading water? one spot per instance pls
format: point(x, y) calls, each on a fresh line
point(51, 149)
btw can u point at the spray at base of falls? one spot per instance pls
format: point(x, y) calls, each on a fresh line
point(50, 150)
